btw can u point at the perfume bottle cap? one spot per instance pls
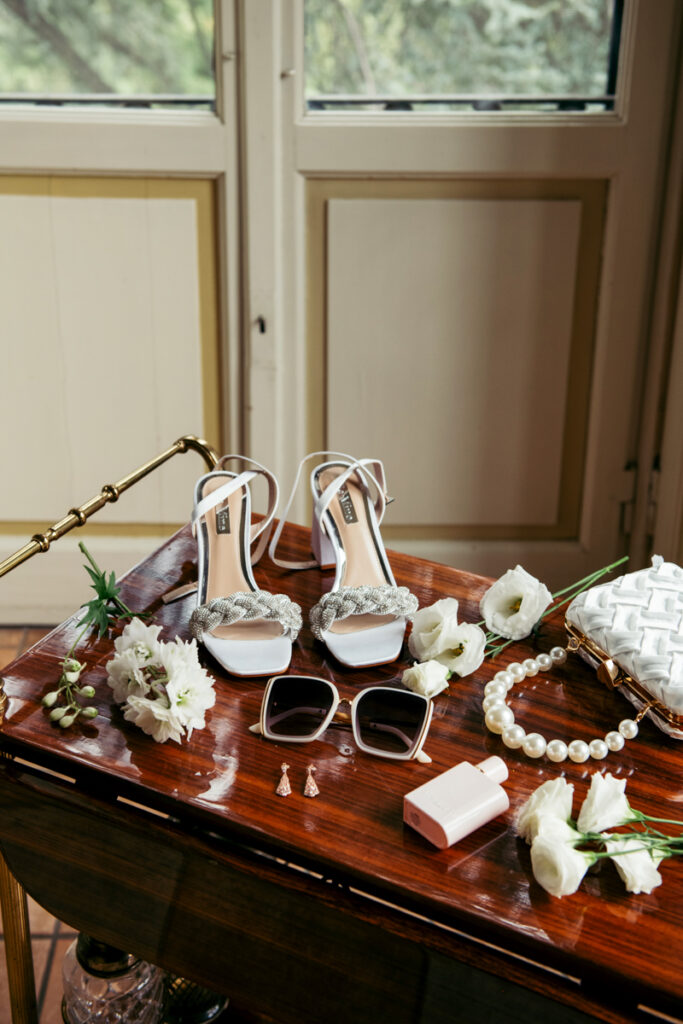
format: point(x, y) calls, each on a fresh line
point(495, 768)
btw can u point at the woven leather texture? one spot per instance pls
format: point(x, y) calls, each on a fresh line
point(638, 621)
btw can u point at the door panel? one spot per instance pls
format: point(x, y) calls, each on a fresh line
point(474, 290)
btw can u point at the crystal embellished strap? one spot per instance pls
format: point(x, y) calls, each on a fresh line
point(364, 600)
point(249, 604)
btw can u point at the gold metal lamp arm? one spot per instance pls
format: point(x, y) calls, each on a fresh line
point(110, 492)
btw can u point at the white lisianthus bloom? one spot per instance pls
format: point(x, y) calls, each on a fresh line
point(433, 629)
point(127, 676)
point(428, 678)
point(512, 606)
point(465, 651)
point(155, 717)
point(605, 805)
point(557, 865)
point(637, 865)
point(550, 802)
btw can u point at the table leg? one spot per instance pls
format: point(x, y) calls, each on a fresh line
point(22, 988)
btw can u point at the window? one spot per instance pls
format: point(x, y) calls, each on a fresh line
point(454, 54)
point(114, 52)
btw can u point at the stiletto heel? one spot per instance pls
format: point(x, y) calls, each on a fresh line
point(248, 630)
point(362, 619)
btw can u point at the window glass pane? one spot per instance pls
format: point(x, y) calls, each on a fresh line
point(80, 50)
point(523, 53)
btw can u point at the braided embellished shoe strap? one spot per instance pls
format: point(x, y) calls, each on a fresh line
point(365, 600)
point(247, 604)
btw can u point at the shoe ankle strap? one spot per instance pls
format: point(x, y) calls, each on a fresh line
point(260, 529)
point(361, 466)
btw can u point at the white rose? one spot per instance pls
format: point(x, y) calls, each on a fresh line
point(557, 865)
point(465, 652)
point(512, 606)
point(429, 678)
point(551, 801)
point(636, 865)
point(433, 629)
point(605, 805)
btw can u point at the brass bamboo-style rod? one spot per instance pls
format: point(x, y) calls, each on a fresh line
point(41, 542)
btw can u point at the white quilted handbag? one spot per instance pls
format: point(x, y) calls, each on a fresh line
point(631, 631)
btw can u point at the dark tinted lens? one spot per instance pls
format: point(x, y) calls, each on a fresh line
point(390, 721)
point(297, 706)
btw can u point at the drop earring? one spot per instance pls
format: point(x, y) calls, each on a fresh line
point(283, 787)
point(310, 789)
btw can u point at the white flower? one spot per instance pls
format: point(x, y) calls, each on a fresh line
point(513, 605)
point(550, 802)
point(429, 678)
point(141, 639)
point(465, 652)
point(636, 865)
point(605, 805)
point(155, 717)
point(433, 629)
point(190, 688)
point(438, 636)
point(126, 676)
point(557, 865)
point(162, 686)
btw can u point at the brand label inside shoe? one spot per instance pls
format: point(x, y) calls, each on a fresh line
point(223, 520)
point(346, 505)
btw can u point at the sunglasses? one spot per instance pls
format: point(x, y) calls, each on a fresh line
point(386, 722)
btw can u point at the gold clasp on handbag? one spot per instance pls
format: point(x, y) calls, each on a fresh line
point(608, 672)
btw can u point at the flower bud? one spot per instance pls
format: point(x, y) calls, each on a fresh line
point(68, 720)
point(50, 698)
point(72, 676)
point(88, 713)
point(87, 691)
point(56, 714)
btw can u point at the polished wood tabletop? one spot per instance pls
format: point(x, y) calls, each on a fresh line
point(220, 787)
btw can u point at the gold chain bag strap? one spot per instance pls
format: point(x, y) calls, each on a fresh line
point(631, 631)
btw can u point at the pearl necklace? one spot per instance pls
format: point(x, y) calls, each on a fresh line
point(500, 719)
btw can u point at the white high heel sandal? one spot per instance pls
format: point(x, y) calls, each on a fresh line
point(362, 619)
point(248, 630)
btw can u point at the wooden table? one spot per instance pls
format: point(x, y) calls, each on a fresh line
point(332, 909)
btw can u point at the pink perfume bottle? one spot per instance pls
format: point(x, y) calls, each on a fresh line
point(458, 801)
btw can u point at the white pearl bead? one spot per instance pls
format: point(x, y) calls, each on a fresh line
point(494, 689)
point(598, 749)
point(534, 745)
point(578, 751)
point(505, 678)
point(628, 729)
point(513, 736)
point(557, 751)
point(544, 662)
point(614, 740)
point(499, 718)
point(530, 666)
point(558, 655)
point(494, 701)
point(516, 671)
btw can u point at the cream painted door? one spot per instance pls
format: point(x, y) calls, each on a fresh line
point(463, 296)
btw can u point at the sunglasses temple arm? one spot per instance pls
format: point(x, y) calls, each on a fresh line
point(256, 728)
point(422, 757)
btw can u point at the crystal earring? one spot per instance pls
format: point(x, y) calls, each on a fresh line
point(310, 789)
point(284, 788)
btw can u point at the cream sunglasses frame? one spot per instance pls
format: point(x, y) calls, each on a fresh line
point(351, 716)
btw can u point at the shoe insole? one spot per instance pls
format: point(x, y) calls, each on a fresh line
point(350, 511)
point(227, 542)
